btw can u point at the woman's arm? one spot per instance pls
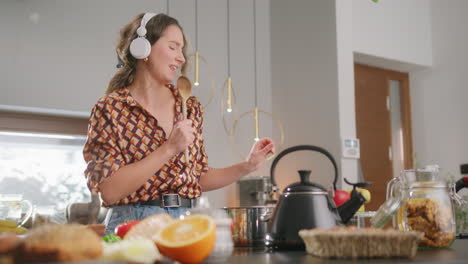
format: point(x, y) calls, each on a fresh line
point(218, 178)
point(129, 178)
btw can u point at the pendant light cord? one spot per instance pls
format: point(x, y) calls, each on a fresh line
point(228, 39)
point(167, 6)
point(196, 25)
point(255, 49)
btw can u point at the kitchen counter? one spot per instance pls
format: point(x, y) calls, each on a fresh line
point(457, 253)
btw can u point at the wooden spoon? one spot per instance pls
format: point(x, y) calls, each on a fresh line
point(185, 89)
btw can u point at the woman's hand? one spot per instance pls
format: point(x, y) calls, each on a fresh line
point(259, 153)
point(182, 135)
point(218, 178)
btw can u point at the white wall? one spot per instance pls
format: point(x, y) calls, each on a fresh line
point(395, 30)
point(439, 93)
point(305, 84)
point(65, 60)
point(347, 113)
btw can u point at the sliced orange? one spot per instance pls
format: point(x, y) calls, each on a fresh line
point(188, 240)
point(149, 227)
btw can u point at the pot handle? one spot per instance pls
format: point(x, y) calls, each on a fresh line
point(302, 147)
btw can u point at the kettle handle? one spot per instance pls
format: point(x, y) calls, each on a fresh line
point(303, 147)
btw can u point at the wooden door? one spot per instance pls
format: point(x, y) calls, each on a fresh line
point(373, 127)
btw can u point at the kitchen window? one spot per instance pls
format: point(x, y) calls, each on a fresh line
point(47, 169)
point(41, 159)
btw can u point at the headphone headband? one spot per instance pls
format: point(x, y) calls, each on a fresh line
point(141, 31)
point(140, 47)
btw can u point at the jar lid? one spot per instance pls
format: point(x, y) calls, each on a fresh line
point(386, 211)
point(428, 184)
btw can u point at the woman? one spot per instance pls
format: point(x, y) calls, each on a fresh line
point(137, 134)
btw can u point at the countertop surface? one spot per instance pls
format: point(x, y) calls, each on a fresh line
point(457, 253)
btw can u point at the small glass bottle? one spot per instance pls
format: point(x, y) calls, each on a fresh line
point(224, 245)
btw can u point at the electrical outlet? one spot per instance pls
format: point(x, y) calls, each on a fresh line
point(351, 149)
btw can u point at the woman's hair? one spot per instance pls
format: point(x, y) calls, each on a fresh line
point(127, 63)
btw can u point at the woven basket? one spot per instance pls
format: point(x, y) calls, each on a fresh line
point(360, 242)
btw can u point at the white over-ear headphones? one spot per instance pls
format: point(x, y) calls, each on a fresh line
point(140, 48)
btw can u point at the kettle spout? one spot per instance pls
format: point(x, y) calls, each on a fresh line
point(350, 207)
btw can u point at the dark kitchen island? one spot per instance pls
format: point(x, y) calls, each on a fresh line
point(457, 253)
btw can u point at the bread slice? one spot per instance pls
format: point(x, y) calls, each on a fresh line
point(59, 242)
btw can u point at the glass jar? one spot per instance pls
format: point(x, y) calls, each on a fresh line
point(418, 200)
point(428, 208)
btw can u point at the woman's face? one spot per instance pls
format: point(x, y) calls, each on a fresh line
point(166, 55)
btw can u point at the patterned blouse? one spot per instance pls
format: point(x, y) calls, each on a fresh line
point(121, 132)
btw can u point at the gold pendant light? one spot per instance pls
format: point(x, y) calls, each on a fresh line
point(256, 112)
point(199, 64)
point(196, 81)
point(228, 105)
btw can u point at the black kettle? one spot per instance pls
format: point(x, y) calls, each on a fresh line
point(306, 205)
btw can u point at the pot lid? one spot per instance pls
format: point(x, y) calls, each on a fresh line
point(304, 185)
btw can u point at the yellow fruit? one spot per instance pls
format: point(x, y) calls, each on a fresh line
point(364, 193)
point(188, 240)
point(8, 223)
point(13, 230)
point(149, 227)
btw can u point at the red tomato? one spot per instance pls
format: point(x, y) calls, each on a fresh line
point(122, 229)
point(341, 197)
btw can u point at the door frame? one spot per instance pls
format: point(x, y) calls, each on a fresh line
point(385, 76)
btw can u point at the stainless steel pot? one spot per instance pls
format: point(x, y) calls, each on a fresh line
point(250, 224)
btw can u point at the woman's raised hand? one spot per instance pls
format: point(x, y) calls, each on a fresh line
point(260, 152)
point(182, 135)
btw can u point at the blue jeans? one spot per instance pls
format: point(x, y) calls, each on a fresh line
point(124, 213)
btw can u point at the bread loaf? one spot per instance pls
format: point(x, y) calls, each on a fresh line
point(59, 242)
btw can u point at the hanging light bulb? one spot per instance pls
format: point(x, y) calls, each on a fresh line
point(256, 124)
point(229, 102)
point(255, 69)
point(229, 95)
point(196, 82)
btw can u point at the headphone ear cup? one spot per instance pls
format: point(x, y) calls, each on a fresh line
point(140, 48)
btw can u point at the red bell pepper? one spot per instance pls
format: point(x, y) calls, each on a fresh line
point(123, 228)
